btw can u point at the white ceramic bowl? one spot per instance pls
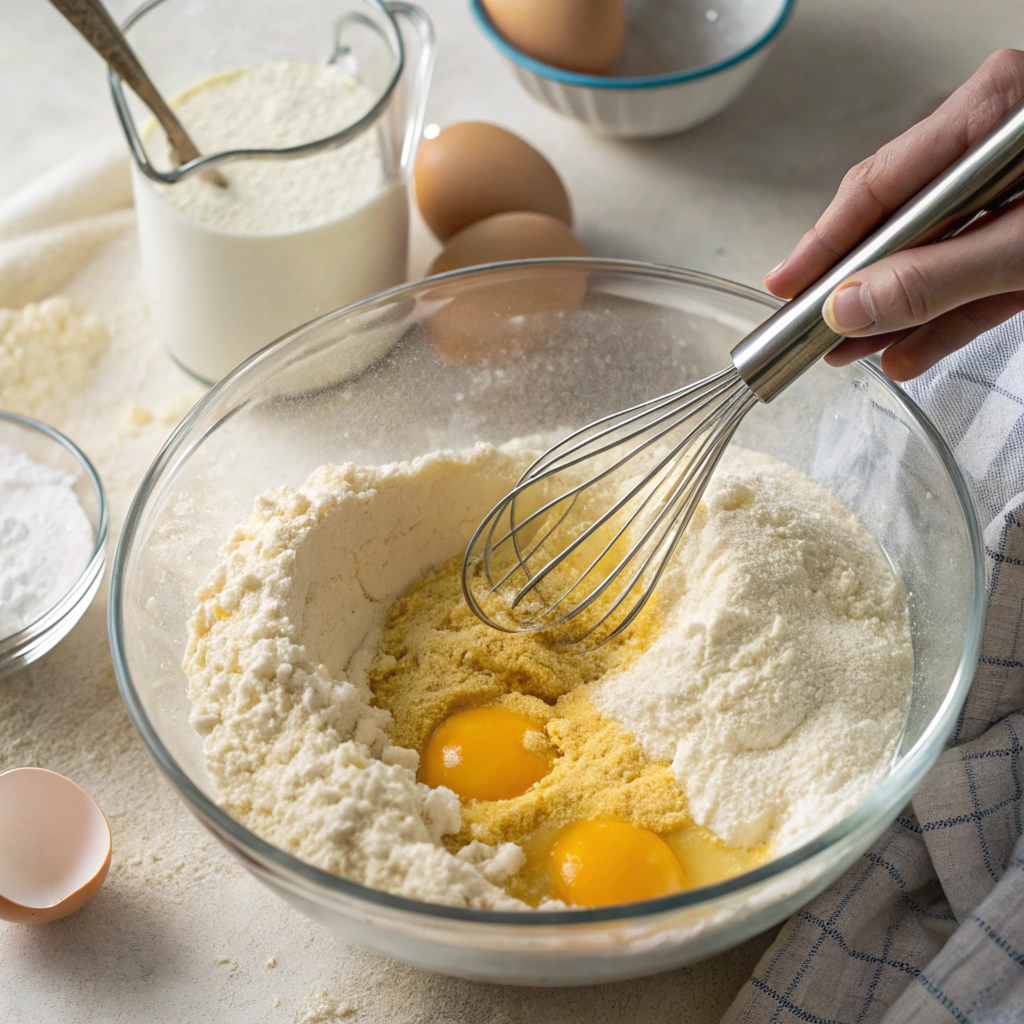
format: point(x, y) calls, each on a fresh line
point(681, 64)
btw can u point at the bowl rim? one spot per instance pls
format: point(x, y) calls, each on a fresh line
point(260, 853)
point(15, 645)
point(586, 81)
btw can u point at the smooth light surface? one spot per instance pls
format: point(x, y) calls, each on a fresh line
point(54, 840)
point(163, 943)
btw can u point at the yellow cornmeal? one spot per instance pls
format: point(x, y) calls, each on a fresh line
point(436, 657)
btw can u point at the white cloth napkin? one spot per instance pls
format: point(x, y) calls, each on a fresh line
point(71, 234)
point(929, 924)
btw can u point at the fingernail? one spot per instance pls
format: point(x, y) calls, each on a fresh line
point(849, 308)
point(772, 271)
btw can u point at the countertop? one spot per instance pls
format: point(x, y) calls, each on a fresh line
point(193, 942)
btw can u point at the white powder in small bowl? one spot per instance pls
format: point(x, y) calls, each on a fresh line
point(46, 539)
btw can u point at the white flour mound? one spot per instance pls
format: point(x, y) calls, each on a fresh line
point(780, 685)
point(277, 676)
point(275, 106)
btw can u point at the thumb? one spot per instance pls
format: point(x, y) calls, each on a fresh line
point(913, 287)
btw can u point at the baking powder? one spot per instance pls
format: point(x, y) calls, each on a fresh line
point(46, 539)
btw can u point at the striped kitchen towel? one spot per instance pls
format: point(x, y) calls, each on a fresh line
point(929, 924)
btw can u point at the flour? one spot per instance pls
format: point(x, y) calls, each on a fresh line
point(278, 680)
point(320, 1007)
point(275, 106)
point(47, 350)
point(46, 539)
point(777, 688)
point(780, 684)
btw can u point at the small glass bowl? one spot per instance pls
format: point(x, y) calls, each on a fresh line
point(52, 448)
point(681, 64)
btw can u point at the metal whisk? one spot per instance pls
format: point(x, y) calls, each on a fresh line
point(582, 540)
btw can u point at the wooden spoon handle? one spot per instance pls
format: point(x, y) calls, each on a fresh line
point(90, 17)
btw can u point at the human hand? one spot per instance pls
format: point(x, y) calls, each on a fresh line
point(921, 304)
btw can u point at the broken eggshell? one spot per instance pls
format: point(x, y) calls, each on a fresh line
point(54, 846)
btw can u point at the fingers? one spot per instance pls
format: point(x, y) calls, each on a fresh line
point(909, 353)
point(852, 349)
point(879, 185)
point(915, 286)
point(921, 349)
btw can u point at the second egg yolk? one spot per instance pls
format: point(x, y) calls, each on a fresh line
point(481, 754)
point(598, 863)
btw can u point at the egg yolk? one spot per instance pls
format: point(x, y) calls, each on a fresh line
point(597, 863)
point(481, 754)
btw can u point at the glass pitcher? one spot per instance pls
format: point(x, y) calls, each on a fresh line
point(216, 296)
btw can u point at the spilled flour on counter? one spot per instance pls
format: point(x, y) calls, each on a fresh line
point(47, 350)
point(774, 688)
point(320, 1007)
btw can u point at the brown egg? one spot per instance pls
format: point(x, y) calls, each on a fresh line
point(507, 236)
point(474, 170)
point(490, 318)
point(578, 35)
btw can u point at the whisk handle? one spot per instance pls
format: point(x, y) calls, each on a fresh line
point(987, 177)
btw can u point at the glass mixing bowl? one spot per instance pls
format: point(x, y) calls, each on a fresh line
point(492, 354)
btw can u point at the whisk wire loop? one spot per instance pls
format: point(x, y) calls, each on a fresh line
point(539, 473)
point(649, 512)
point(525, 482)
point(534, 475)
point(667, 461)
point(676, 529)
point(624, 417)
point(704, 461)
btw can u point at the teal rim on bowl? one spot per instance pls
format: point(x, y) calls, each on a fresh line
point(576, 78)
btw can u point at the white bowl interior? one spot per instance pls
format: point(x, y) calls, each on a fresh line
point(662, 38)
